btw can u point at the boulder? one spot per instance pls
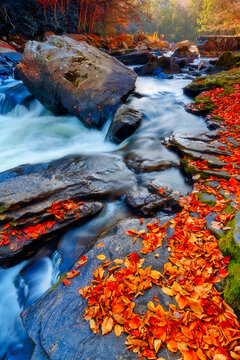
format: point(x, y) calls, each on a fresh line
point(228, 60)
point(55, 322)
point(216, 45)
point(183, 43)
point(75, 77)
point(163, 64)
point(27, 195)
point(184, 52)
point(150, 199)
point(136, 58)
point(182, 63)
point(125, 123)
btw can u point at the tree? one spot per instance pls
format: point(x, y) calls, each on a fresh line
point(220, 16)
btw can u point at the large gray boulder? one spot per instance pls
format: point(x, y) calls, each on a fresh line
point(70, 76)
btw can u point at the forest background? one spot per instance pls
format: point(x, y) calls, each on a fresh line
point(175, 19)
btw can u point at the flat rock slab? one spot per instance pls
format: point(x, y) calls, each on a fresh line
point(70, 76)
point(27, 194)
point(22, 247)
point(55, 322)
point(84, 177)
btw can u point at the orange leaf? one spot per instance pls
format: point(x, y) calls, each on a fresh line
point(118, 329)
point(100, 245)
point(167, 291)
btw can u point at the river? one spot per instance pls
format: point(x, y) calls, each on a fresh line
point(31, 134)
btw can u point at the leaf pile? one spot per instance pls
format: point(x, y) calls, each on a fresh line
point(59, 210)
point(201, 325)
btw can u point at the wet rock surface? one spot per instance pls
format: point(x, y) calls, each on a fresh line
point(163, 64)
point(136, 58)
point(150, 199)
point(149, 156)
point(55, 322)
point(28, 192)
point(70, 76)
point(24, 246)
point(126, 121)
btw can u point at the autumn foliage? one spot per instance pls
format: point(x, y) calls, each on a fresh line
point(108, 13)
point(201, 325)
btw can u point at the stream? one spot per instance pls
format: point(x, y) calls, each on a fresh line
point(31, 134)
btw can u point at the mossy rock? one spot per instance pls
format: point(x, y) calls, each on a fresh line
point(223, 79)
point(229, 247)
point(229, 60)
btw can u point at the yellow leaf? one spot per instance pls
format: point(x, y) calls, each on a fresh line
point(118, 261)
point(234, 355)
point(93, 326)
point(107, 325)
point(219, 357)
point(101, 257)
point(167, 291)
point(118, 330)
point(151, 306)
point(155, 274)
point(157, 344)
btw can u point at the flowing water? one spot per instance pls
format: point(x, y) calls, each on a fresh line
point(31, 134)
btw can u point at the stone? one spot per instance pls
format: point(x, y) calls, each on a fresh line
point(184, 52)
point(28, 192)
point(55, 322)
point(228, 60)
point(70, 76)
point(148, 155)
point(136, 58)
point(183, 43)
point(147, 200)
point(216, 45)
point(163, 64)
point(126, 121)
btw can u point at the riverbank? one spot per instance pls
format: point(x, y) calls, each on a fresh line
point(141, 266)
point(137, 260)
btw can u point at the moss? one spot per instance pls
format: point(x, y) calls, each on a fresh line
point(58, 282)
point(71, 75)
point(80, 79)
point(2, 209)
point(228, 60)
point(81, 59)
point(222, 79)
point(129, 51)
point(229, 247)
point(201, 198)
point(209, 106)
